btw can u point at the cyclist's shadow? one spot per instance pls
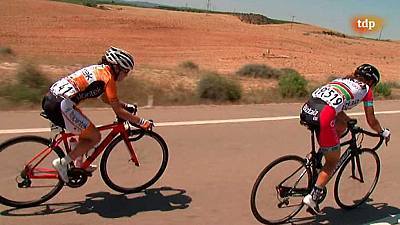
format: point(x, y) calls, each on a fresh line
point(366, 213)
point(110, 205)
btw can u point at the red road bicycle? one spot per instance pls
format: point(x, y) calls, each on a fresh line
point(133, 160)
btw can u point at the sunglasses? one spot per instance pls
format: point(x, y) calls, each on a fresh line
point(125, 70)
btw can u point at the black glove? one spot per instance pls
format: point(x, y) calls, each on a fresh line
point(130, 108)
point(146, 124)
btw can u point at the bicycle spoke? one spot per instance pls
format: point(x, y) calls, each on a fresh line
point(123, 174)
point(27, 184)
point(278, 203)
point(357, 179)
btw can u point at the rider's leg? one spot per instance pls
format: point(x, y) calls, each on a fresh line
point(332, 154)
point(341, 123)
point(329, 145)
point(331, 159)
point(87, 140)
point(77, 123)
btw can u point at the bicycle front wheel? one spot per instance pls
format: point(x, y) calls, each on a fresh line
point(26, 176)
point(278, 192)
point(357, 178)
point(121, 174)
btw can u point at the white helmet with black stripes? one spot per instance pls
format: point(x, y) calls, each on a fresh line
point(119, 57)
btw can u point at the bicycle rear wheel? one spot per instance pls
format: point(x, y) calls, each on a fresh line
point(278, 192)
point(122, 175)
point(18, 187)
point(357, 179)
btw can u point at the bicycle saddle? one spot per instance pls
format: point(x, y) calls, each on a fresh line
point(352, 122)
point(44, 115)
point(309, 126)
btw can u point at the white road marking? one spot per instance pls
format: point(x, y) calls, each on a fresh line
point(198, 122)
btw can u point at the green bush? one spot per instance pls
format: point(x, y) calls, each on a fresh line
point(215, 87)
point(180, 95)
point(6, 51)
point(189, 65)
point(292, 84)
point(254, 18)
point(259, 70)
point(383, 89)
point(30, 86)
point(136, 90)
point(393, 84)
point(285, 71)
point(334, 33)
point(260, 96)
point(89, 3)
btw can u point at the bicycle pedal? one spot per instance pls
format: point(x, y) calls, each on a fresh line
point(314, 213)
point(91, 168)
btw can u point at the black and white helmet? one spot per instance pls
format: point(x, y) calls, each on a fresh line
point(369, 72)
point(119, 57)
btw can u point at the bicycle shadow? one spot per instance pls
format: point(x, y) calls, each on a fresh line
point(109, 205)
point(364, 214)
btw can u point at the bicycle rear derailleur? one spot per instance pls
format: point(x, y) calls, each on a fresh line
point(23, 180)
point(284, 193)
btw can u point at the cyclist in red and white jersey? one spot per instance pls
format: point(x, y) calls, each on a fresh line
point(61, 102)
point(325, 111)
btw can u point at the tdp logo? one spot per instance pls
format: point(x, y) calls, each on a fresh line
point(366, 24)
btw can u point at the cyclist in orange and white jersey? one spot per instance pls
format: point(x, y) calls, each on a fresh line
point(325, 111)
point(60, 103)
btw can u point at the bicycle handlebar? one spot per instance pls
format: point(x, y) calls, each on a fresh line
point(381, 139)
point(133, 109)
point(138, 126)
point(351, 127)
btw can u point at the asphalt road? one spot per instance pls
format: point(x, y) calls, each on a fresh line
point(211, 170)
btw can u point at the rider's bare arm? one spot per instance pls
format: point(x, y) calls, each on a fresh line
point(341, 122)
point(120, 111)
point(371, 119)
point(343, 117)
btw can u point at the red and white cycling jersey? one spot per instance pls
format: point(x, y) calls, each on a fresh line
point(89, 82)
point(344, 93)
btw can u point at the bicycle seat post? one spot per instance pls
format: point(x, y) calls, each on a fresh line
point(313, 141)
point(313, 131)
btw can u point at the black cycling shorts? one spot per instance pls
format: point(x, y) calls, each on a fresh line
point(51, 105)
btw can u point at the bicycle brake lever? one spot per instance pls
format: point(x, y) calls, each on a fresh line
point(152, 125)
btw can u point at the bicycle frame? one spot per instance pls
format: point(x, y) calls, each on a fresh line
point(311, 161)
point(352, 149)
point(298, 181)
point(46, 173)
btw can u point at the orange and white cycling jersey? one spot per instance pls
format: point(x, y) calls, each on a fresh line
point(89, 82)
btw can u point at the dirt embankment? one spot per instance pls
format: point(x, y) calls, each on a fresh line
point(60, 33)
